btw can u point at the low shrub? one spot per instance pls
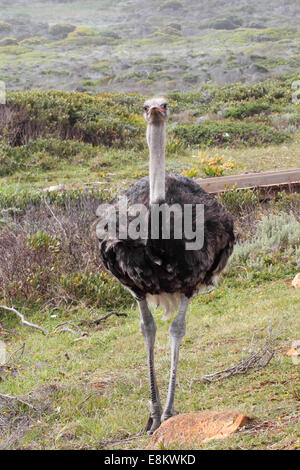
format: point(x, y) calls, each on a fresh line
point(246, 110)
point(237, 200)
point(83, 31)
point(5, 27)
point(210, 166)
point(215, 165)
point(8, 42)
point(44, 241)
point(32, 41)
point(277, 240)
point(49, 251)
point(97, 289)
point(64, 149)
point(14, 49)
point(42, 153)
point(272, 91)
point(173, 146)
point(61, 30)
point(226, 23)
point(222, 133)
point(171, 4)
point(167, 33)
point(101, 119)
point(287, 202)
point(23, 200)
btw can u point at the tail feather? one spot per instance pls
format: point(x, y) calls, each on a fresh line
point(169, 302)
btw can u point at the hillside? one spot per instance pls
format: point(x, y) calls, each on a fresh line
point(141, 46)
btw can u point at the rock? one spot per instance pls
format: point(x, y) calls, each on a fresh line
point(98, 385)
point(59, 187)
point(296, 281)
point(294, 352)
point(203, 119)
point(196, 428)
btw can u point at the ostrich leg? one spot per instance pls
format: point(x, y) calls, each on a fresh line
point(177, 331)
point(148, 329)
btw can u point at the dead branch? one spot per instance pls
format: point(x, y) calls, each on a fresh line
point(68, 330)
point(55, 218)
point(59, 325)
point(111, 442)
point(62, 328)
point(96, 322)
point(256, 360)
point(10, 398)
point(253, 361)
point(23, 321)
point(13, 355)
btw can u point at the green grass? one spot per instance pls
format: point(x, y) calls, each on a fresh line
point(124, 166)
point(219, 331)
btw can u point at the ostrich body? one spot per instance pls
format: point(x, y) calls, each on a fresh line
point(162, 271)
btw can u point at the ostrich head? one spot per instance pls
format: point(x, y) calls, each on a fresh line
point(156, 110)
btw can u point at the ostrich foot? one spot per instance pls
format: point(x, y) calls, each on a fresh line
point(168, 415)
point(153, 423)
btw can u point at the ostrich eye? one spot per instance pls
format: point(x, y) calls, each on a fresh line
point(164, 105)
point(146, 108)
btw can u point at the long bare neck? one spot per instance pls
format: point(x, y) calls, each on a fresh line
point(156, 138)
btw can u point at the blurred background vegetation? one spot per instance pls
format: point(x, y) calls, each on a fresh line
point(146, 47)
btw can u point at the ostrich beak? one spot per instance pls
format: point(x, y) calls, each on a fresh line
point(154, 109)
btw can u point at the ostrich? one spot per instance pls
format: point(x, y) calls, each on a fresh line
point(162, 271)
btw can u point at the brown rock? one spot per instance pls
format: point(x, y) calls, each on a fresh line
point(196, 428)
point(296, 281)
point(294, 352)
point(98, 385)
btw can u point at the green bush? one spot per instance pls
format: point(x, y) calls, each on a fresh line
point(61, 30)
point(5, 27)
point(101, 119)
point(287, 202)
point(17, 202)
point(223, 133)
point(115, 120)
point(64, 149)
point(171, 4)
point(238, 200)
point(42, 153)
point(83, 31)
point(8, 42)
point(190, 77)
point(270, 90)
point(247, 109)
point(277, 241)
point(110, 34)
point(167, 33)
point(97, 289)
point(229, 23)
point(175, 26)
point(32, 41)
point(8, 161)
point(13, 49)
point(45, 238)
point(23, 199)
point(43, 241)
